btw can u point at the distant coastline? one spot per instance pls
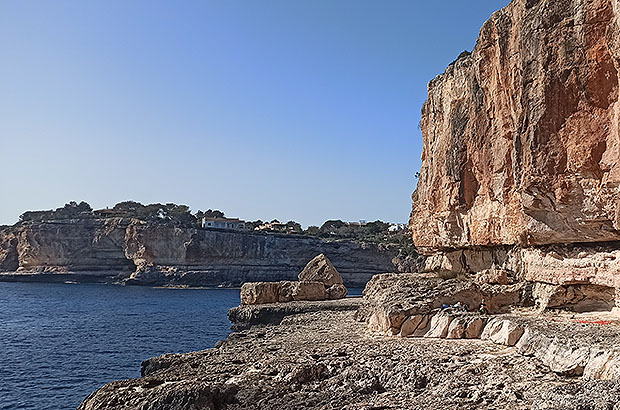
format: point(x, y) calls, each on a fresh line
point(142, 248)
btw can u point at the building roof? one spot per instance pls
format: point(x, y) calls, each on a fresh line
point(222, 219)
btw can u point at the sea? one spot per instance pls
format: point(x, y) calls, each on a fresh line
point(60, 342)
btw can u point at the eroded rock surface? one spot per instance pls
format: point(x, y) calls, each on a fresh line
point(521, 143)
point(390, 299)
point(320, 269)
point(326, 359)
point(149, 253)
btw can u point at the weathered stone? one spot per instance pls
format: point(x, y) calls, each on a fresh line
point(157, 394)
point(499, 298)
point(423, 327)
point(521, 137)
point(560, 357)
point(383, 320)
point(502, 331)
point(286, 289)
point(456, 330)
point(320, 269)
point(603, 365)
point(575, 264)
point(465, 327)
point(493, 276)
point(255, 293)
point(336, 291)
point(440, 323)
point(392, 298)
point(309, 291)
point(474, 328)
point(575, 297)
point(411, 325)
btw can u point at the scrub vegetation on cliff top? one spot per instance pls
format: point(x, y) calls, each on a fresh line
point(375, 232)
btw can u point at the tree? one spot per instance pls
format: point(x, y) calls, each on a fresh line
point(128, 206)
point(254, 224)
point(209, 213)
point(293, 226)
point(377, 227)
point(68, 211)
point(331, 226)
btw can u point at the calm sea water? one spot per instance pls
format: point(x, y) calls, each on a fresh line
point(59, 342)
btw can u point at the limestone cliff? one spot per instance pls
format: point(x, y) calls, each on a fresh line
point(521, 143)
point(521, 159)
point(140, 252)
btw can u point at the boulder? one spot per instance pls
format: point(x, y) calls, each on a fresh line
point(474, 328)
point(412, 324)
point(286, 289)
point(440, 323)
point(456, 330)
point(502, 331)
point(255, 293)
point(308, 291)
point(336, 291)
point(320, 269)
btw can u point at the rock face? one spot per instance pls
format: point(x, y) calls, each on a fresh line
point(520, 175)
point(159, 254)
point(521, 141)
point(87, 245)
point(9, 259)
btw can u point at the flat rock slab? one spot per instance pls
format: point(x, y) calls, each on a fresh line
point(244, 316)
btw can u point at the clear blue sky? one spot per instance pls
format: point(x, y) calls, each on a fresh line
point(288, 109)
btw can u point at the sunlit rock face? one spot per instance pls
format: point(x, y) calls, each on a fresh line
point(521, 143)
point(157, 253)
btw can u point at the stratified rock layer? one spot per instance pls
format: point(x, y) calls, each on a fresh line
point(152, 253)
point(521, 142)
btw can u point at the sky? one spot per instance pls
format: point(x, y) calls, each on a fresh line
point(301, 110)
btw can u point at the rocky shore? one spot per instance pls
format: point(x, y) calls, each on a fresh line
point(320, 355)
point(517, 210)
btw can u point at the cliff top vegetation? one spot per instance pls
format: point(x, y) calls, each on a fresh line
point(335, 229)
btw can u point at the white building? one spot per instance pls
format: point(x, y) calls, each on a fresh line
point(397, 227)
point(234, 224)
